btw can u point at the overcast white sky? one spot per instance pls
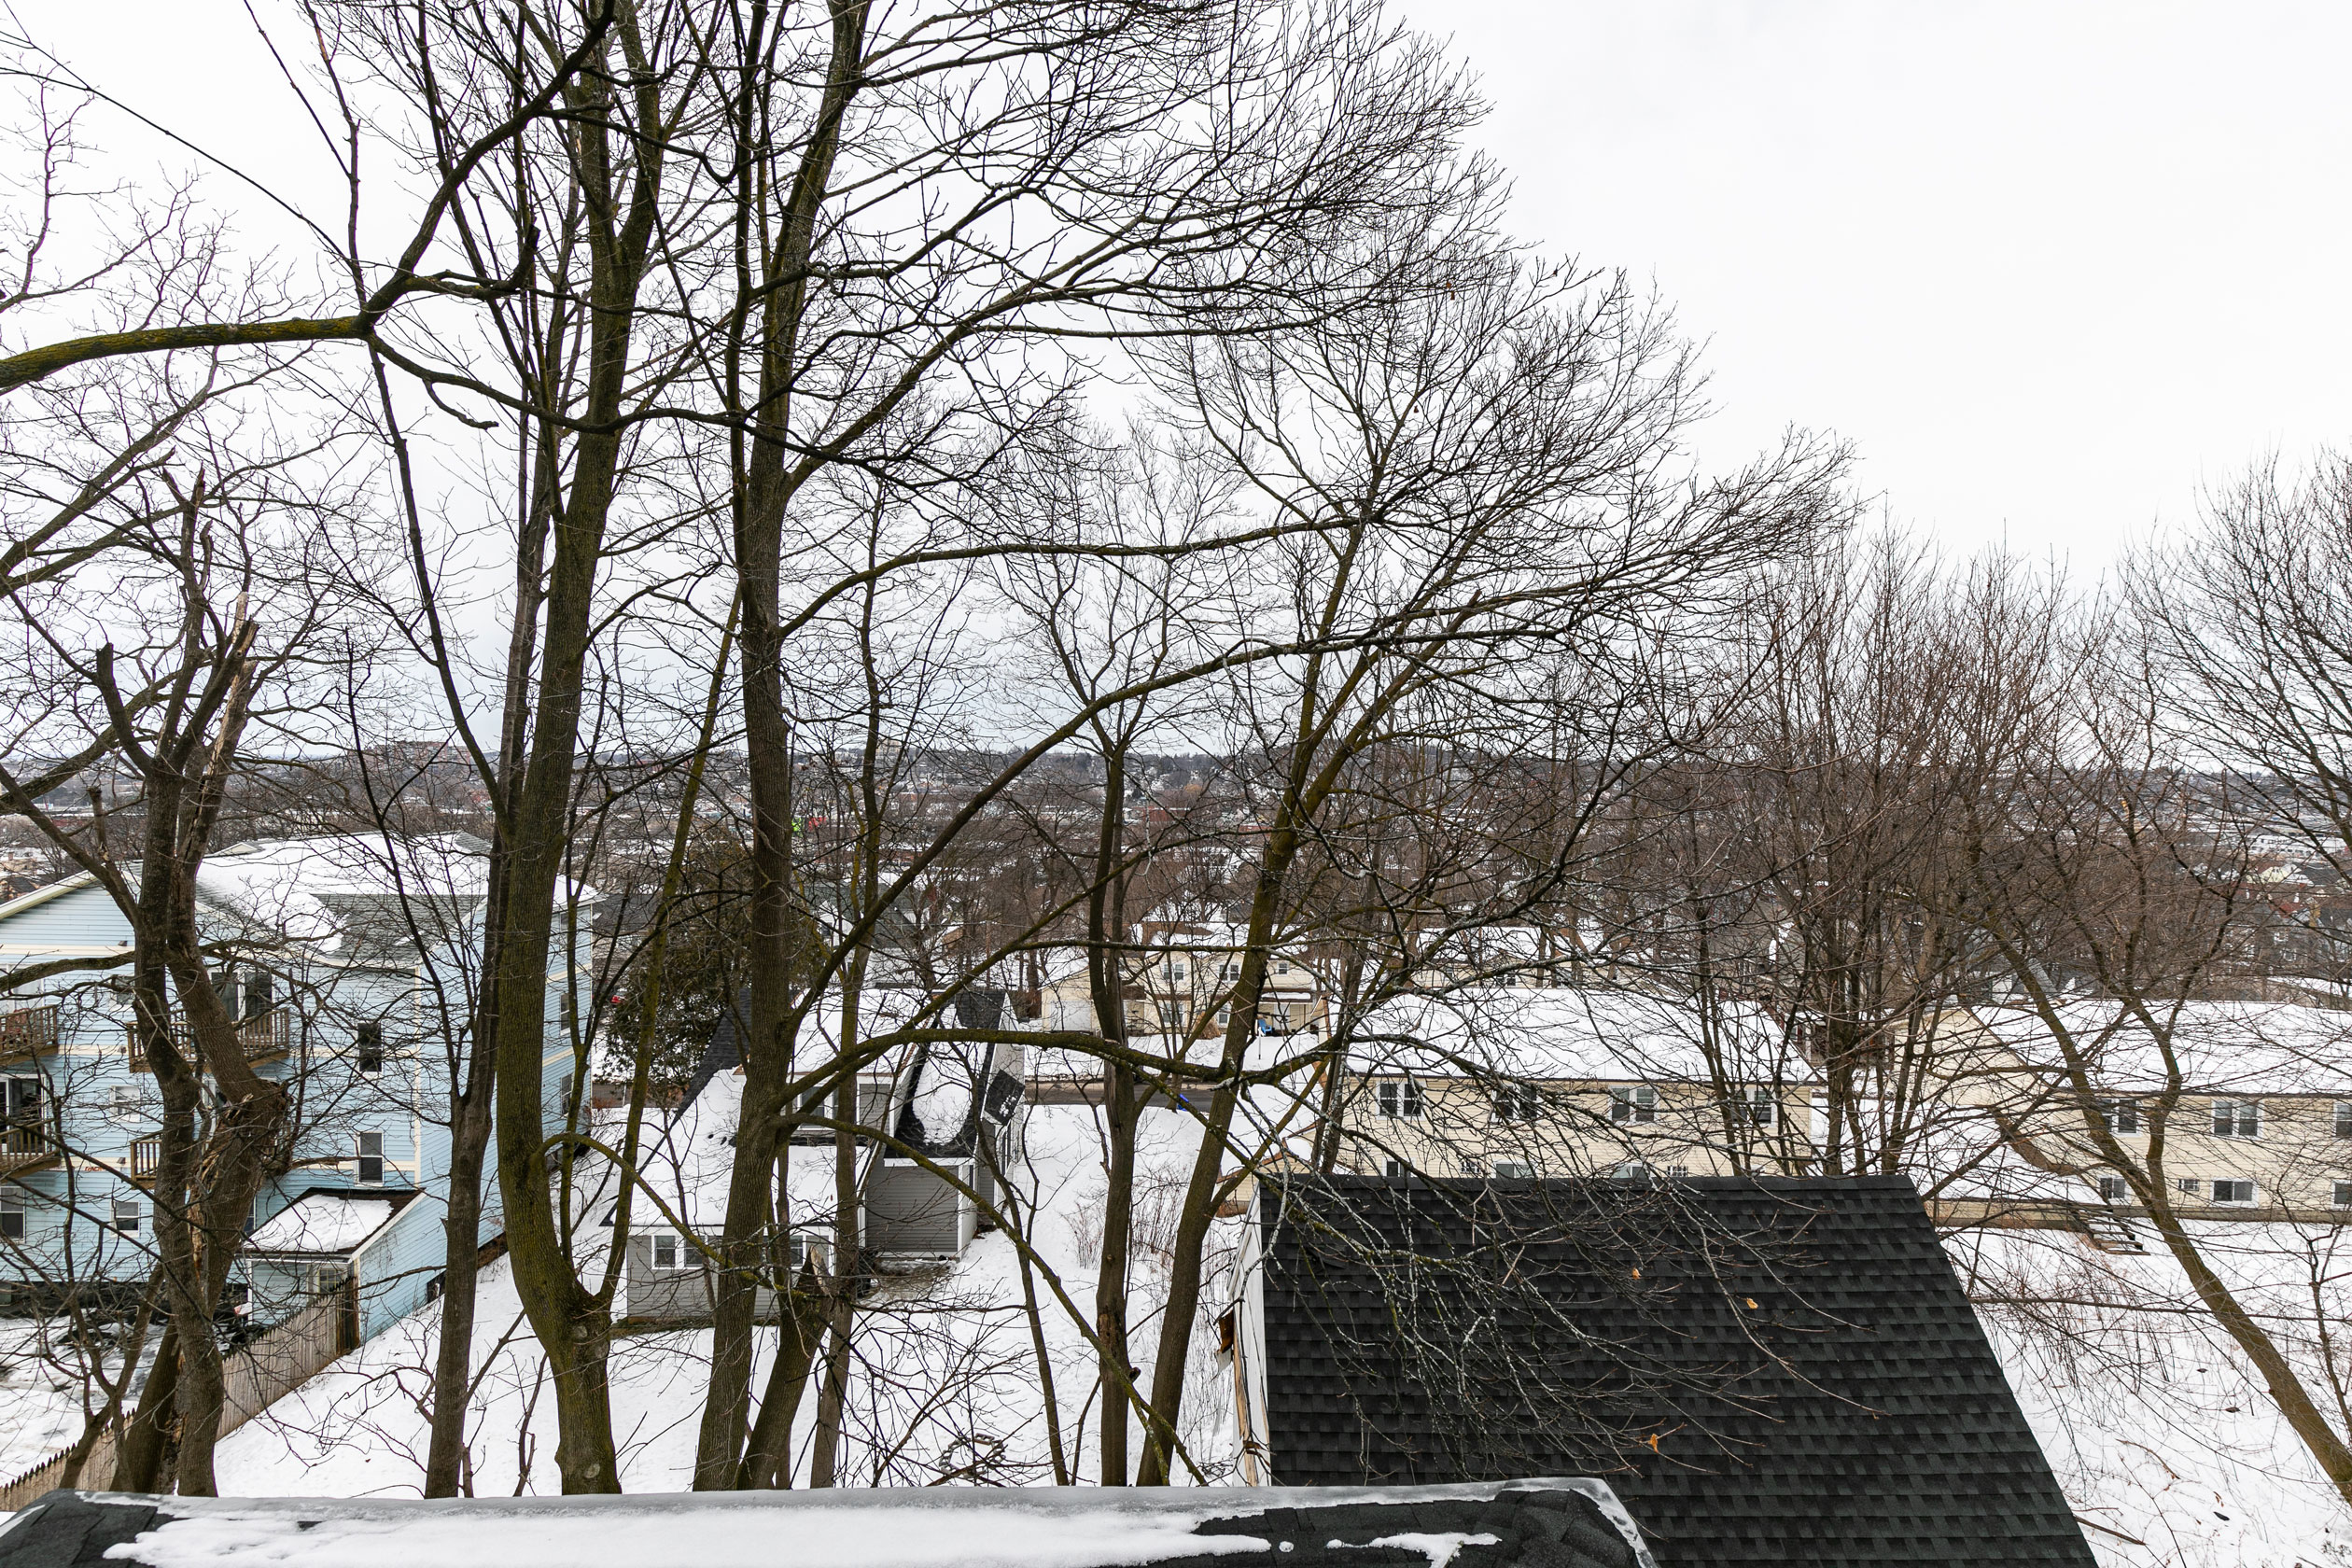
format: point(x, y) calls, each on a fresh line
point(2050, 266)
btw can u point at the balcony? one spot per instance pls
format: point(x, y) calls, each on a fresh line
point(25, 1145)
point(265, 1038)
point(28, 1032)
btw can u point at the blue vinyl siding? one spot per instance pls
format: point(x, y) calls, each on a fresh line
point(106, 1106)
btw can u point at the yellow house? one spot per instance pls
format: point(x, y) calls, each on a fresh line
point(1565, 1081)
point(2240, 1110)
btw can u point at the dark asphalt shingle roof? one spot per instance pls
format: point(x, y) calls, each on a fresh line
point(1770, 1371)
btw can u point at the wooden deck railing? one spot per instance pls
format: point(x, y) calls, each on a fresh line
point(24, 1143)
point(27, 1031)
point(264, 1038)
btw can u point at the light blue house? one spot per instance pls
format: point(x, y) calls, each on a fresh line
point(352, 965)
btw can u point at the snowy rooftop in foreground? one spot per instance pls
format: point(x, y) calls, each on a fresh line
point(1566, 1523)
point(322, 1223)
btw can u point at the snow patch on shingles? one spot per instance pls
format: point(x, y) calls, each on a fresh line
point(1441, 1545)
point(880, 1537)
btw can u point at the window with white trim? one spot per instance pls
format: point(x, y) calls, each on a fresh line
point(2119, 1116)
point(667, 1250)
point(1518, 1102)
point(2190, 1187)
point(11, 1220)
point(1394, 1167)
point(2237, 1118)
point(2233, 1192)
point(1401, 1100)
point(1635, 1103)
point(1514, 1169)
point(128, 1211)
point(370, 1159)
point(1759, 1109)
point(2344, 1118)
point(2344, 1194)
point(2114, 1189)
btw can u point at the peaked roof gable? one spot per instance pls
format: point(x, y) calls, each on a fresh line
point(1766, 1371)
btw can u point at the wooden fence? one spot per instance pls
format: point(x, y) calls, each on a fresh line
point(255, 1376)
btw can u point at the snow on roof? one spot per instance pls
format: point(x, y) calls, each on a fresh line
point(322, 1223)
point(1568, 1034)
point(902, 1527)
point(2225, 1047)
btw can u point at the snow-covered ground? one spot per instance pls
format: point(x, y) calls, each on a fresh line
point(2158, 1429)
point(40, 1392)
point(2160, 1433)
point(946, 1384)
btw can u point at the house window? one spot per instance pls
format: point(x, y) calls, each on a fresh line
point(2122, 1115)
point(12, 1220)
point(1514, 1169)
point(257, 993)
point(1401, 1100)
point(372, 1159)
point(1518, 1102)
point(665, 1249)
point(1394, 1167)
point(123, 1101)
point(2114, 1189)
point(1637, 1103)
point(2237, 1118)
point(24, 1100)
point(2233, 1192)
point(2344, 1118)
point(368, 1048)
point(2189, 1186)
point(1176, 973)
point(2344, 1194)
point(1282, 966)
point(1678, 1171)
point(1233, 971)
point(126, 1215)
point(1758, 1109)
